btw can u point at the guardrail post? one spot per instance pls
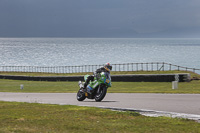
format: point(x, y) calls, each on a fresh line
point(163, 66)
point(157, 66)
point(142, 66)
point(137, 66)
point(147, 66)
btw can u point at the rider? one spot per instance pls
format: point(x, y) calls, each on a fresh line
point(106, 68)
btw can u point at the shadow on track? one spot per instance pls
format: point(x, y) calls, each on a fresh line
point(102, 101)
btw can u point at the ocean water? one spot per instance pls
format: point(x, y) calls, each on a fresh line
point(95, 51)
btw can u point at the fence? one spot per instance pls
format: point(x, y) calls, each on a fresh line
point(151, 66)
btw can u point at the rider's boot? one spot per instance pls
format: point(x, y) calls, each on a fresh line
point(85, 87)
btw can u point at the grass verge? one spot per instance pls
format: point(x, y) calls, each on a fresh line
point(33, 117)
point(192, 87)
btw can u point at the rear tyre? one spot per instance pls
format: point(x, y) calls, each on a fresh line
point(80, 96)
point(101, 93)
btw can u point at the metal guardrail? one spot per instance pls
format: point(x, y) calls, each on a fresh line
point(149, 66)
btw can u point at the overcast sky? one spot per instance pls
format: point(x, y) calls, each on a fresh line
point(99, 18)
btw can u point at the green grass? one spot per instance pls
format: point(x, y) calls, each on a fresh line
point(117, 87)
point(38, 86)
point(35, 118)
point(155, 87)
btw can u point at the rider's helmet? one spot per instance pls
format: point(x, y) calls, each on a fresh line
point(108, 67)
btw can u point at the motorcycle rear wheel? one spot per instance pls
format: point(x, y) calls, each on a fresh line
point(80, 96)
point(100, 94)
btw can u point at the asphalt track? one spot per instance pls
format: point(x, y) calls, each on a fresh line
point(174, 105)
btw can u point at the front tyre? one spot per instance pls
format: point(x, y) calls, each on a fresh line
point(101, 93)
point(80, 95)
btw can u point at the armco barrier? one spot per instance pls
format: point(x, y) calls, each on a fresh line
point(43, 78)
point(121, 78)
point(152, 78)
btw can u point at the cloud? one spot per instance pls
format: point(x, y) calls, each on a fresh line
point(105, 18)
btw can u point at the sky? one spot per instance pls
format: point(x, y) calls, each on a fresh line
point(100, 18)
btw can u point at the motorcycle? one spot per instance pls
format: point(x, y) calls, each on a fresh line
point(99, 87)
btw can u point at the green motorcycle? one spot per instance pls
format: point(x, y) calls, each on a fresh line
point(99, 87)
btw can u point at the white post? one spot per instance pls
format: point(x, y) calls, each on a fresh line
point(174, 84)
point(21, 86)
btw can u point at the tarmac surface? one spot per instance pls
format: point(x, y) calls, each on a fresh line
point(150, 104)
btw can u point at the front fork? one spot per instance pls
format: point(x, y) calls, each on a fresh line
point(99, 88)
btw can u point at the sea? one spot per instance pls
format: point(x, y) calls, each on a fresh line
point(94, 51)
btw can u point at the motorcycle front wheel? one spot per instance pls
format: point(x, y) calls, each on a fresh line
point(101, 93)
point(80, 96)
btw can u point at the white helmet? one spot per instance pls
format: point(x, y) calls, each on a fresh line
point(108, 67)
